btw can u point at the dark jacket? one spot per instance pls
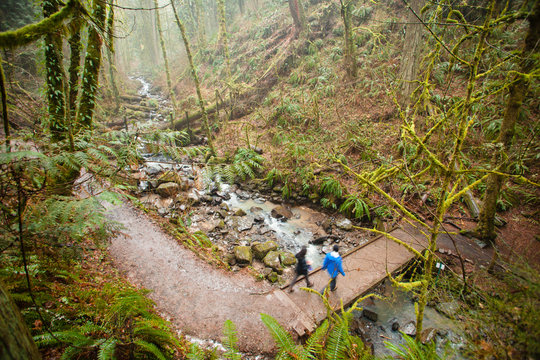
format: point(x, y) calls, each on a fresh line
point(301, 265)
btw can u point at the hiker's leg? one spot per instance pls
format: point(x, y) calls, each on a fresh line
point(307, 280)
point(333, 284)
point(293, 281)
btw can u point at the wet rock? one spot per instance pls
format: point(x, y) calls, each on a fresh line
point(276, 199)
point(287, 258)
point(239, 212)
point(281, 212)
point(344, 224)
point(222, 214)
point(264, 230)
point(326, 249)
point(230, 259)
point(277, 189)
point(448, 308)
point(243, 255)
point(371, 315)
point(409, 328)
point(322, 239)
point(193, 198)
point(255, 209)
point(205, 198)
point(243, 195)
point(153, 170)
point(244, 223)
point(224, 195)
point(260, 250)
point(216, 200)
point(394, 324)
point(327, 225)
point(272, 260)
point(153, 184)
point(272, 277)
point(267, 271)
point(259, 200)
point(163, 211)
point(224, 207)
point(258, 218)
point(213, 189)
point(219, 226)
point(428, 335)
point(168, 189)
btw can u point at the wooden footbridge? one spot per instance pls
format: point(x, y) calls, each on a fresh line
point(365, 267)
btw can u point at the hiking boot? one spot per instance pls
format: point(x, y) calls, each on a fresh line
point(334, 289)
point(309, 285)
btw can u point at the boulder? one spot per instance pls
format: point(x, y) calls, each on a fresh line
point(448, 308)
point(371, 315)
point(244, 223)
point(224, 195)
point(193, 198)
point(266, 271)
point(327, 225)
point(281, 212)
point(255, 209)
point(344, 224)
point(224, 207)
point(272, 260)
point(394, 324)
point(243, 255)
point(239, 212)
point(260, 250)
point(428, 335)
point(287, 258)
point(153, 169)
point(272, 277)
point(258, 218)
point(230, 259)
point(409, 328)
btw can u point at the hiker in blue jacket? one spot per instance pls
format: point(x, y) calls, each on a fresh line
point(333, 264)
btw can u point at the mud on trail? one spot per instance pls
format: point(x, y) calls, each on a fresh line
point(193, 295)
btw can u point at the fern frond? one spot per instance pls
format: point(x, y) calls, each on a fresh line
point(230, 341)
point(195, 353)
point(338, 342)
point(314, 345)
point(143, 347)
point(106, 350)
point(283, 339)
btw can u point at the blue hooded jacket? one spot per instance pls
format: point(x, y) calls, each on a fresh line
point(333, 264)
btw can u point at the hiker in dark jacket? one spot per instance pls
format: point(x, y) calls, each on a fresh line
point(302, 268)
point(334, 265)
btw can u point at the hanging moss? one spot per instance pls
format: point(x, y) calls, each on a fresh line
point(92, 64)
point(32, 32)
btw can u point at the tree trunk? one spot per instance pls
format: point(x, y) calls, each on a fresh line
point(517, 91)
point(92, 64)
point(3, 92)
point(165, 60)
point(298, 15)
point(195, 78)
point(201, 28)
point(223, 35)
point(74, 64)
point(110, 52)
point(411, 52)
point(55, 76)
point(350, 56)
point(17, 343)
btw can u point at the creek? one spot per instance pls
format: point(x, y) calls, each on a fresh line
point(214, 209)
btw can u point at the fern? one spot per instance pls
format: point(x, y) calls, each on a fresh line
point(195, 352)
point(338, 342)
point(107, 349)
point(283, 339)
point(144, 347)
point(230, 340)
point(356, 206)
point(414, 350)
point(273, 176)
point(314, 345)
point(330, 186)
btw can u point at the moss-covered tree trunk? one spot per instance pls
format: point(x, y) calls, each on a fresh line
point(75, 47)
point(110, 53)
point(92, 65)
point(165, 59)
point(528, 61)
point(55, 76)
point(411, 52)
point(195, 78)
point(223, 36)
point(201, 27)
point(3, 92)
point(298, 15)
point(350, 53)
point(17, 343)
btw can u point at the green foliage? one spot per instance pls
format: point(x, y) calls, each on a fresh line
point(129, 322)
point(414, 350)
point(230, 341)
point(246, 164)
point(356, 206)
point(274, 176)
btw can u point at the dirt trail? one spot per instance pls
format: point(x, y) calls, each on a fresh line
point(196, 297)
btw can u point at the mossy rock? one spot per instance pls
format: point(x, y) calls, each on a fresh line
point(261, 249)
point(243, 255)
point(273, 277)
point(272, 260)
point(287, 258)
